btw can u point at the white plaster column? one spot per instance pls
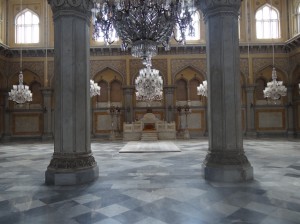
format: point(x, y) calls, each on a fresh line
point(128, 103)
point(225, 161)
point(250, 131)
point(72, 162)
point(47, 95)
point(169, 103)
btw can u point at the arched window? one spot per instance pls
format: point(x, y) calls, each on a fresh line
point(27, 28)
point(298, 18)
point(196, 26)
point(267, 22)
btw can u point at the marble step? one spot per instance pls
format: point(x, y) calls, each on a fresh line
point(149, 136)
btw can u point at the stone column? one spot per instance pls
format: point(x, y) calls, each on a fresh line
point(250, 131)
point(128, 103)
point(7, 121)
point(225, 161)
point(48, 133)
point(72, 162)
point(290, 113)
point(169, 103)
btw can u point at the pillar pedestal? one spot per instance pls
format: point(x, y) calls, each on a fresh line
point(225, 161)
point(72, 162)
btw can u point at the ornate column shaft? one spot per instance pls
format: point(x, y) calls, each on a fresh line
point(72, 162)
point(169, 103)
point(290, 113)
point(225, 161)
point(48, 132)
point(7, 120)
point(128, 103)
point(250, 131)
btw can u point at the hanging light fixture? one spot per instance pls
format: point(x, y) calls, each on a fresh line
point(143, 24)
point(275, 89)
point(149, 85)
point(94, 88)
point(20, 93)
point(202, 89)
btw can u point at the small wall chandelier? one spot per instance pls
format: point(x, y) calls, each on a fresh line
point(275, 89)
point(143, 24)
point(202, 89)
point(94, 88)
point(20, 93)
point(149, 85)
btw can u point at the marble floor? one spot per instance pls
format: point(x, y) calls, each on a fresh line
point(152, 188)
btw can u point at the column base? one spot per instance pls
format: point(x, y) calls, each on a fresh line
point(71, 170)
point(47, 137)
point(230, 174)
point(186, 134)
point(230, 167)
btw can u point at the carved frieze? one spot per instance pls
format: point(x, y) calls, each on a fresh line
point(178, 65)
point(36, 67)
point(261, 63)
point(119, 66)
point(244, 66)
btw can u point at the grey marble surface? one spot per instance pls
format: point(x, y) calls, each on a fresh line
point(152, 188)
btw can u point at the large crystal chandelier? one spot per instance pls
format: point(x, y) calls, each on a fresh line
point(20, 93)
point(149, 85)
point(143, 24)
point(94, 88)
point(275, 89)
point(202, 89)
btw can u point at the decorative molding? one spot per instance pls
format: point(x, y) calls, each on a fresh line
point(178, 65)
point(63, 162)
point(83, 6)
point(97, 66)
point(261, 63)
point(244, 67)
point(214, 7)
point(226, 158)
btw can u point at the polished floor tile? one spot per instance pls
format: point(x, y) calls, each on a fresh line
point(152, 188)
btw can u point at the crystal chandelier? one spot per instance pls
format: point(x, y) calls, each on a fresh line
point(275, 89)
point(149, 85)
point(94, 89)
point(143, 24)
point(20, 93)
point(202, 89)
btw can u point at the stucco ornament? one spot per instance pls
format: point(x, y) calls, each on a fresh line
point(80, 5)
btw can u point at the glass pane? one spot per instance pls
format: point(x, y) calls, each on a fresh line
point(274, 14)
point(35, 19)
point(259, 30)
point(258, 15)
point(266, 12)
point(299, 8)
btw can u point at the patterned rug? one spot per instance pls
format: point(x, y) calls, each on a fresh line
point(144, 147)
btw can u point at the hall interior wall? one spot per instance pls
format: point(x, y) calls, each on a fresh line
point(115, 71)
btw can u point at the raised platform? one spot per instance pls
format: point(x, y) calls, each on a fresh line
point(145, 147)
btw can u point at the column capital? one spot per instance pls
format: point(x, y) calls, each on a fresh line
point(169, 89)
point(250, 88)
point(128, 90)
point(83, 6)
point(213, 7)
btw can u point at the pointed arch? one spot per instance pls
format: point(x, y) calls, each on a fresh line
point(116, 92)
point(27, 27)
point(267, 19)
